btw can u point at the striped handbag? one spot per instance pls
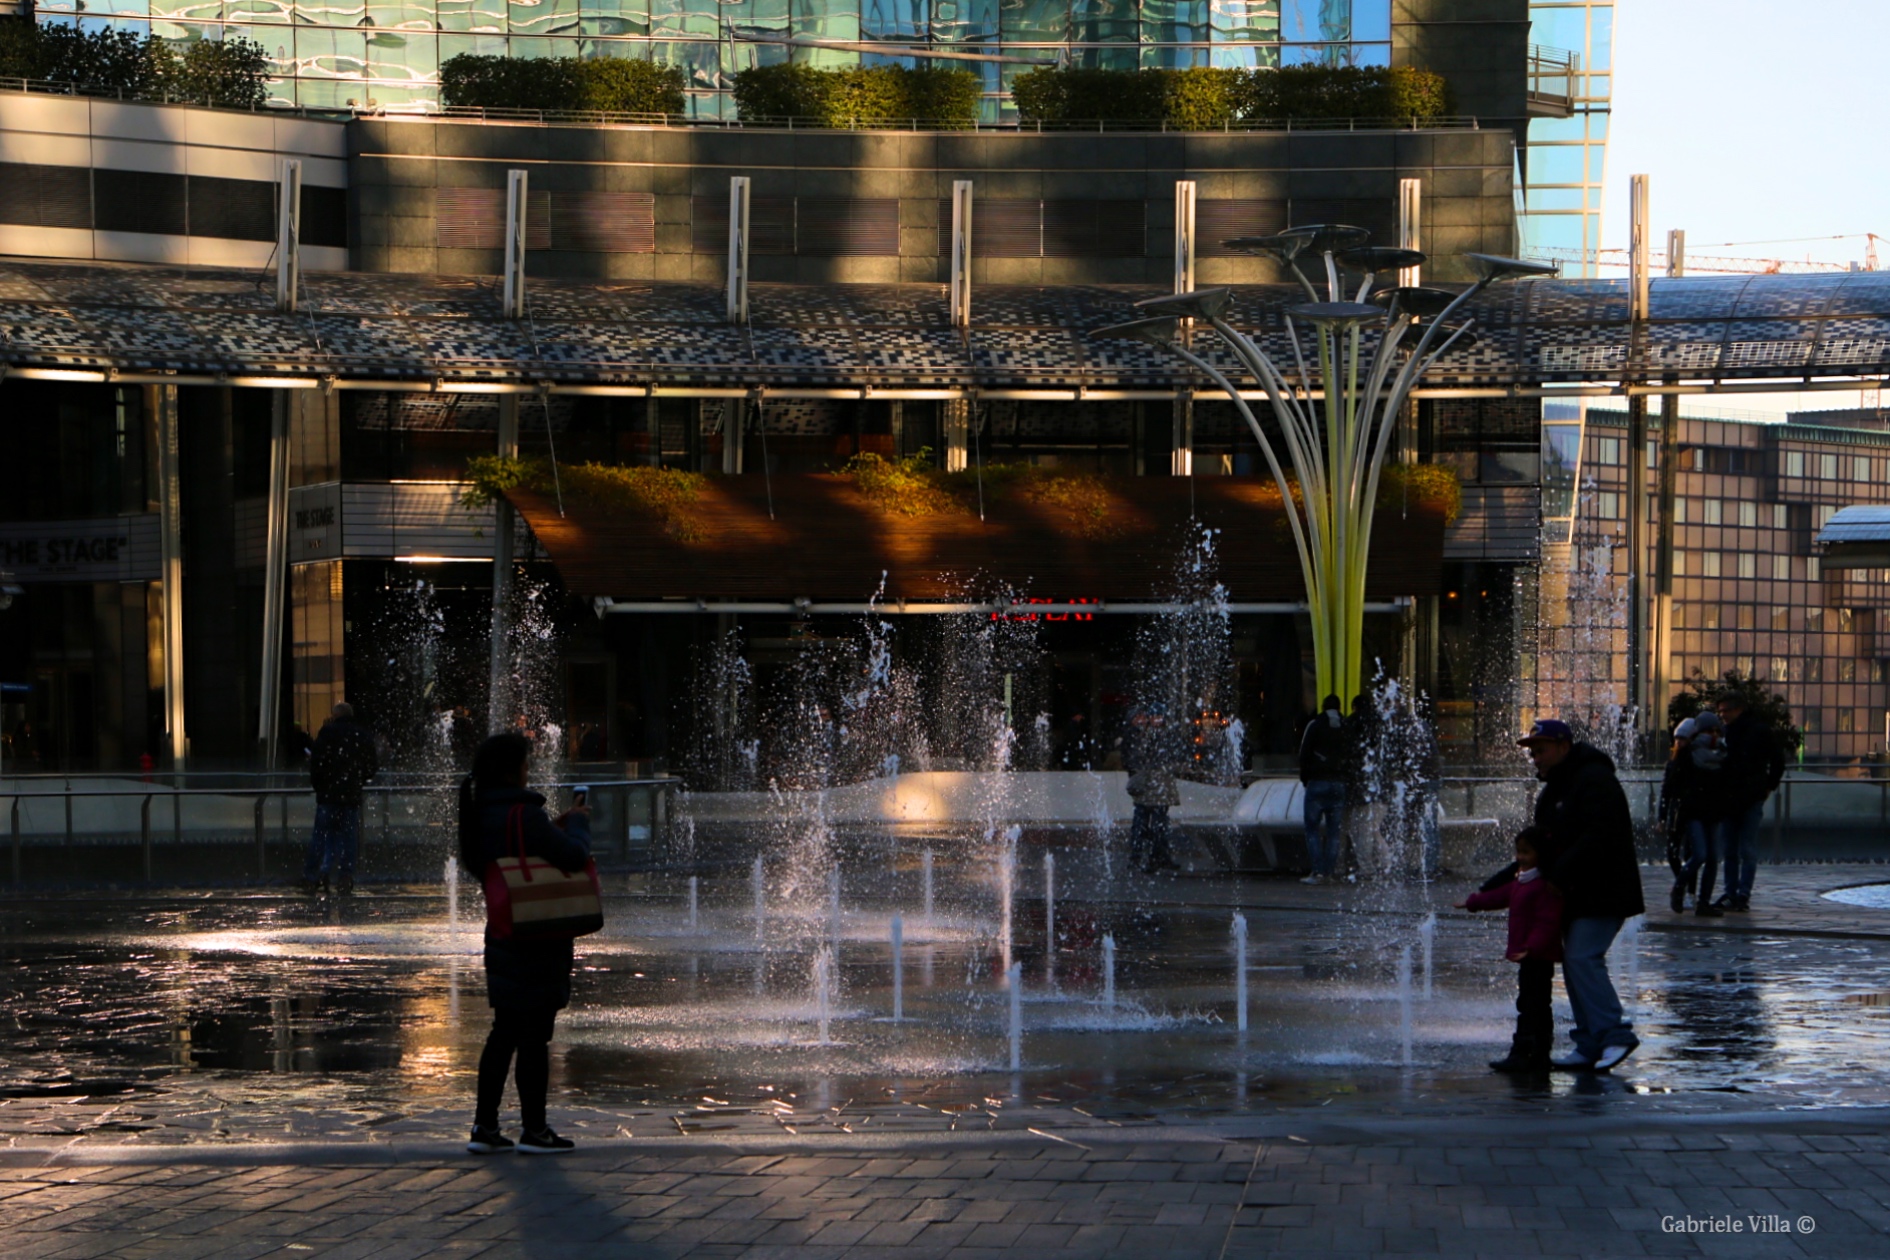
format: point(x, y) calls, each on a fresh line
point(529, 899)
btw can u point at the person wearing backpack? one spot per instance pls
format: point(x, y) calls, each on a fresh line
point(1754, 767)
point(527, 981)
point(1325, 766)
point(1696, 779)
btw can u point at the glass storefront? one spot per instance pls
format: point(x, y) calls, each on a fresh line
point(336, 53)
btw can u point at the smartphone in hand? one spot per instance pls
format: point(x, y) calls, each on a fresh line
point(580, 796)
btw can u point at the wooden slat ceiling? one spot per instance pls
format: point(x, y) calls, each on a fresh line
point(827, 541)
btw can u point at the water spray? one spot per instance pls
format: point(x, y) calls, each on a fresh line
point(1109, 972)
point(925, 868)
point(1427, 937)
point(692, 903)
point(1015, 975)
point(899, 968)
point(1050, 920)
point(1240, 971)
point(1404, 1001)
point(761, 901)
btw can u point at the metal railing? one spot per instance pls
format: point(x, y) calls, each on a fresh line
point(404, 827)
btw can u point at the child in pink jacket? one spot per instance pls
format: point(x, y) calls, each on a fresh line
point(1535, 943)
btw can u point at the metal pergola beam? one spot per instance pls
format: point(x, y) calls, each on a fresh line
point(895, 608)
point(1615, 389)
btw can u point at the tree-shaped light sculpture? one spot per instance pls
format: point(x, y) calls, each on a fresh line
point(1335, 442)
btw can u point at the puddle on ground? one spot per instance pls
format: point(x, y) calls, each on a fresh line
point(264, 1016)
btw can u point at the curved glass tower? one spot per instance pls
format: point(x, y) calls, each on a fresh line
point(334, 53)
point(1565, 159)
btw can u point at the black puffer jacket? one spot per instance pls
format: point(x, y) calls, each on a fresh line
point(530, 974)
point(1593, 862)
point(1753, 763)
point(341, 762)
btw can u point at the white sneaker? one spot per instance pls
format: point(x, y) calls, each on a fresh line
point(1573, 1061)
point(1313, 879)
point(1611, 1056)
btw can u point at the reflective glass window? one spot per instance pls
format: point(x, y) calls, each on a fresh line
point(1565, 28)
point(1601, 38)
point(954, 21)
point(452, 46)
point(398, 55)
point(1174, 22)
point(1104, 21)
point(1173, 57)
point(894, 19)
point(1036, 21)
point(471, 15)
point(1556, 163)
point(600, 18)
point(840, 19)
point(326, 53)
point(1554, 198)
point(1245, 20)
point(684, 17)
point(329, 12)
point(1121, 56)
point(1245, 56)
point(1371, 21)
point(542, 17)
point(1316, 21)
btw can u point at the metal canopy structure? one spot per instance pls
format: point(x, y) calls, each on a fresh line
point(1856, 538)
point(137, 323)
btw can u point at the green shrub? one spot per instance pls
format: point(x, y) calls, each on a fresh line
point(1313, 92)
point(858, 96)
point(1203, 99)
point(228, 72)
point(612, 84)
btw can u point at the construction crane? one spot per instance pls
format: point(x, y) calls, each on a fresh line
point(1715, 264)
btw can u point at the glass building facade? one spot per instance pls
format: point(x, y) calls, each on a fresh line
point(1565, 159)
point(334, 53)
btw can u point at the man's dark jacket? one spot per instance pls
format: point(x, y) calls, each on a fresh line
point(342, 762)
point(1591, 858)
point(1753, 763)
point(1327, 751)
point(530, 975)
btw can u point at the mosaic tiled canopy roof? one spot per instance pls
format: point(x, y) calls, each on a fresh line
point(138, 319)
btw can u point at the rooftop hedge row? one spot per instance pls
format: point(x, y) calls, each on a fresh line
point(1203, 99)
point(230, 72)
point(618, 85)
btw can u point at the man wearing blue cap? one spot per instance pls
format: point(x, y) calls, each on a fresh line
point(1592, 863)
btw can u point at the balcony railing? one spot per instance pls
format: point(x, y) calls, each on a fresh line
point(1554, 75)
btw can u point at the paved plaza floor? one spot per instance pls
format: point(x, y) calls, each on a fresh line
point(1781, 1150)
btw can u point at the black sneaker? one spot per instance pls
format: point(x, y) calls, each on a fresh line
point(1740, 904)
point(1708, 910)
point(1678, 897)
point(486, 1141)
point(544, 1142)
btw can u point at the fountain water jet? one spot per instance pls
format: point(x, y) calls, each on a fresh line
point(761, 901)
point(823, 994)
point(1050, 920)
point(1015, 976)
point(1109, 972)
point(452, 894)
point(1427, 935)
point(899, 968)
point(925, 868)
point(1007, 893)
point(833, 906)
point(692, 903)
point(1240, 971)
point(1404, 1001)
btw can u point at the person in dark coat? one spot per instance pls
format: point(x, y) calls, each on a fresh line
point(1589, 858)
point(1151, 757)
point(1754, 767)
point(1693, 794)
point(340, 765)
point(527, 982)
point(1327, 751)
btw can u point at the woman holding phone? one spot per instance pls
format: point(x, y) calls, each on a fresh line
point(527, 981)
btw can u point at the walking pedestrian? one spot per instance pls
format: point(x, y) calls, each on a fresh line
point(527, 982)
point(1754, 767)
point(1693, 792)
point(340, 766)
point(1325, 765)
point(1590, 861)
point(1535, 945)
point(1150, 757)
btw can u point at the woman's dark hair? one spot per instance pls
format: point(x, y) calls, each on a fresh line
point(496, 764)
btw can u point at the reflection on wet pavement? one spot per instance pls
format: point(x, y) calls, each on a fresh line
point(264, 1017)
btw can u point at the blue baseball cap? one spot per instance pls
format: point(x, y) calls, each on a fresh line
point(1547, 729)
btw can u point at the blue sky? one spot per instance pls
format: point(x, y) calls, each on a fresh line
point(1757, 120)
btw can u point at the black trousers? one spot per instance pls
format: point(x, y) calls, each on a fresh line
point(1148, 838)
point(526, 1033)
point(1535, 1012)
